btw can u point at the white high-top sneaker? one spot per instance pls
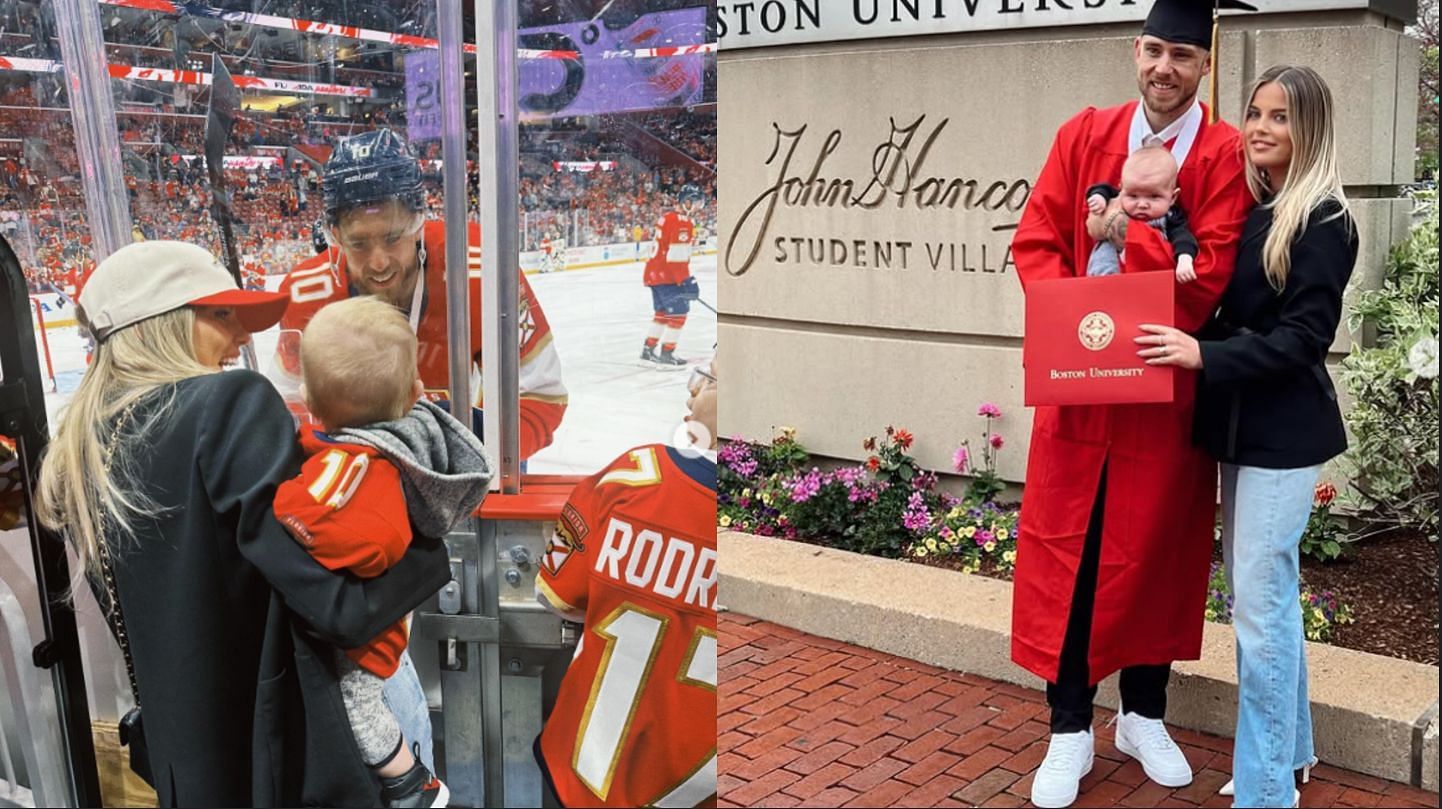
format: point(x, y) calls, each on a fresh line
point(1147, 741)
point(1068, 759)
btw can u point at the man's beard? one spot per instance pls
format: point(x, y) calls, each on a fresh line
point(1184, 99)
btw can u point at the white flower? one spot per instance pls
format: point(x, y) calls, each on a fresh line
point(1423, 357)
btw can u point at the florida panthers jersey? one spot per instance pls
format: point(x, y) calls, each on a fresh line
point(634, 559)
point(322, 279)
point(347, 508)
point(671, 263)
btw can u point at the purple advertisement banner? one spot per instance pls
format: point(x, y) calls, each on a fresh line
point(608, 77)
point(423, 95)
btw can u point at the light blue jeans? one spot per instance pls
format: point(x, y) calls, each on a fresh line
point(1264, 512)
point(407, 702)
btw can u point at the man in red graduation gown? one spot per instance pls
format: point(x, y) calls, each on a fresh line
point(1116, 523)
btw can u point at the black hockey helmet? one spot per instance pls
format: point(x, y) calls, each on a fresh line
point(690, 195)
point(317, 237)
point(368, 168)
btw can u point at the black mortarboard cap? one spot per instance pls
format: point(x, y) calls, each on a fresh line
point(1188, 22)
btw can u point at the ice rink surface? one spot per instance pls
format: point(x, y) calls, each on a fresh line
point(599, 317)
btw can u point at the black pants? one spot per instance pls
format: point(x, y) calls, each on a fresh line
point(1143, 688)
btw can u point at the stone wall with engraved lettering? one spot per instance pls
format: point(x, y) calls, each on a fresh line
point(869, 190)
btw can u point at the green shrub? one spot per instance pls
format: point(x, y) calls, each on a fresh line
point(1393, 384)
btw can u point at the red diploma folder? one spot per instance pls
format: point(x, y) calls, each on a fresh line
point(1079, 346)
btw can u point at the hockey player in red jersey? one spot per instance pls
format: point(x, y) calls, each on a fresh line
point(384, 246)
point(634, 559)
point(668, 274)
point(371, 479)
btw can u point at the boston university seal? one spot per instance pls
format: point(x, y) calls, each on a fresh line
point(1096, 330)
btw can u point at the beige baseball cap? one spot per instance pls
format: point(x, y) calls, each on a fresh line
point(145, 279)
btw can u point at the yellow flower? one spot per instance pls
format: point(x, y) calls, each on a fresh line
point(920, 552)
point(1318, 615)
point(969, 531)
point(725, 520)
point(969, 569)
point(766, 498)
point(1211, 614)
point(1001, 533)
point(989, 547)
point(745, 492)
point(931, 545)
point(954, 514)
point(945, 547)
point(1009, 557)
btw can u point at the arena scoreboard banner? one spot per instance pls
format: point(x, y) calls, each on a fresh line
point(769, 23)
point(604, 76)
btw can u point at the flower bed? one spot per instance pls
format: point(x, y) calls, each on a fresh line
point(888, 506)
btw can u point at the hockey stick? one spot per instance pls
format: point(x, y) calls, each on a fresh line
point(219, 118)
point(707, 305)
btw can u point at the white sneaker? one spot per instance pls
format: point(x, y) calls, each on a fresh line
point(1068, 759)
point(1147, 741)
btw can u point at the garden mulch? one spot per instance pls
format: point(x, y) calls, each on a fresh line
point(807, 721)
point(1390, 582)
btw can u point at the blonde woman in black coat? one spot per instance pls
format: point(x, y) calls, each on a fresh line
point(168, 467)
point(1267, 410)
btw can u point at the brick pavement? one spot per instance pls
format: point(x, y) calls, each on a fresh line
point(807, 721)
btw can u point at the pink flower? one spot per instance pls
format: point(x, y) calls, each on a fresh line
point(989, 410)
point(961, 459)
point(996, 441)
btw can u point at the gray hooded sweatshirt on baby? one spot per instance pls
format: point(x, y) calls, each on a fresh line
point(443, 466)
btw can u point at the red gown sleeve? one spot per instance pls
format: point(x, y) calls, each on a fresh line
point(1217, 222)
point(1045, 240)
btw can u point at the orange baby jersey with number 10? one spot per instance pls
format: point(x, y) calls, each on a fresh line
point(348, 510)
point(634, 559)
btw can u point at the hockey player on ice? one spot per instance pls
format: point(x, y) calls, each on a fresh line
point(668, 274)
point(553, 254)
point(383, 245)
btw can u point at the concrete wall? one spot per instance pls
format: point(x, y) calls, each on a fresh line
point(906, 310)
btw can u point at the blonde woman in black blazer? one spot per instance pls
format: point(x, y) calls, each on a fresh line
point(1267, 410)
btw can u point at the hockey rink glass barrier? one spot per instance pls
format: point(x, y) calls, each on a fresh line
point(617, 114)
point(226, 117)
point(617, 120)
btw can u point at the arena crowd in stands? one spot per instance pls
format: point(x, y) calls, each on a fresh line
point(282, 141)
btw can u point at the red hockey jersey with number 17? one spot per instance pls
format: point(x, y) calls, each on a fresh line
point(634, 559)
point(671, 263)
point(347, 508)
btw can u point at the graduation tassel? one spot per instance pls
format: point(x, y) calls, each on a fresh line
point(1216, 62)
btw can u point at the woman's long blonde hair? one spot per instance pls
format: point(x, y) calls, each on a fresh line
point(80, 494)
point(1312, 178)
